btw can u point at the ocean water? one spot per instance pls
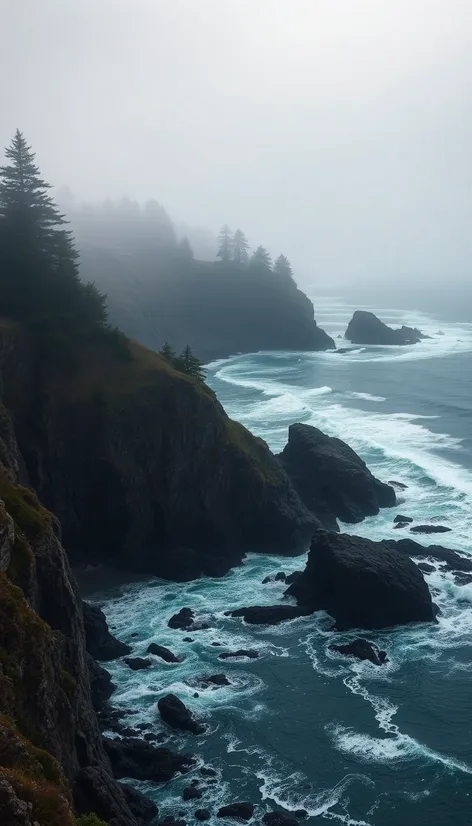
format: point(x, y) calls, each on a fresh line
point(301, 727)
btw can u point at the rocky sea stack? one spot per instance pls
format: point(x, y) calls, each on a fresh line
point(362, 584)
point(331, 479)
point(365, 328)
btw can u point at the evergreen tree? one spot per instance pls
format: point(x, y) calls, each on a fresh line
point(282, 268)
point(39, 275)
point(184, 250)
point(240, 247)
point(168, 352)
point(189, 364)
point(225, 244)
point(261, 258)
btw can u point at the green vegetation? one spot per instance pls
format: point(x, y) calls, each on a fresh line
point(90, 820)
point(23, 505)
point(186, 363)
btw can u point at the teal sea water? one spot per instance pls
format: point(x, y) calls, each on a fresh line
point(301, 727)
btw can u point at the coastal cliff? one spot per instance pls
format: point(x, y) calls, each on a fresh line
point(143, 467)
point(50, 742)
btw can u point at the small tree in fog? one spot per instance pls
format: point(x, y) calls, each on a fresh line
point(225, 244)
point(282, 268)
point(184, 250)
point(240, 247)
point(261, 258)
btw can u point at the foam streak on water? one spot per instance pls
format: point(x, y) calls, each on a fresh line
point(302, 727)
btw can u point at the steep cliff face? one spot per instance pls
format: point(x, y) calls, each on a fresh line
point(48, 730)
point(143, 467)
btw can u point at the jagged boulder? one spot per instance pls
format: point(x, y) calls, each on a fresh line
point(140, 760)
point(101, 644)
point(176, 714)
point(365, 328)
point(362, 584)
point(331, 479)
point(163, 652)
point(361, 649)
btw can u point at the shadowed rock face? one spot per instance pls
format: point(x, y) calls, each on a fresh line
point(365, 328)
point(362, 584)
point(144, 468)
point(331, 479)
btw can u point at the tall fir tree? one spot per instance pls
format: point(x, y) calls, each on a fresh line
point(240, 248)
point(39, 273)
point(283, 268)
point(225, 244)
point(261, 258)
point(184, 250)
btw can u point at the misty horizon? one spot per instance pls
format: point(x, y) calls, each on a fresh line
point(335, 132)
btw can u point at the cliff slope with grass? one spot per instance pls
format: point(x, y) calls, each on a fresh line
point(142, 465)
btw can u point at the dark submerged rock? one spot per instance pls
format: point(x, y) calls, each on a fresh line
point(400, 518)
point(429, 529)
point(239, 811)
point(399, 485)
point(399, 525)
point(203, 814)
point(363, 650)
point(365, 328)
point(176, 714)
point(183, 620)
point(426, 567)
point(331, 479)
point(101, 644)
point(362, 584)
point(279, 819)
point(137, 663)
point(214, 679)
point(164, 653)
point(191, 793)
point(269, 614)
point(452, 560)
point(139, 759)
point(242, 652)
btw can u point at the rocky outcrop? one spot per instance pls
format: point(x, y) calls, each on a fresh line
point(176, 714)
point(365, 328)
point(140, 760)
point(246, 653)
point(269, 614)
point(331, 479)
point(361, 649)
point(451, 560)
point(362, 584)
point(101, 644)
point(238, 811)
point(163, 653)
point(142, 465)
point(430, 529)
point(44, 668)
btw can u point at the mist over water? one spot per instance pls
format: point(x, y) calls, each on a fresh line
point(301, 727)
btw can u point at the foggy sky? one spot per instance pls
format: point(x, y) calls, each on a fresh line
point(336, 131)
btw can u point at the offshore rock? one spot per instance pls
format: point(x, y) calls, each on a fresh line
point(331, 479)
point(365, 328)
point(362, 584)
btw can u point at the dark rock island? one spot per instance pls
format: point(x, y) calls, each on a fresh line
point(362, 584)
point(331, 479)
point(365, 328)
